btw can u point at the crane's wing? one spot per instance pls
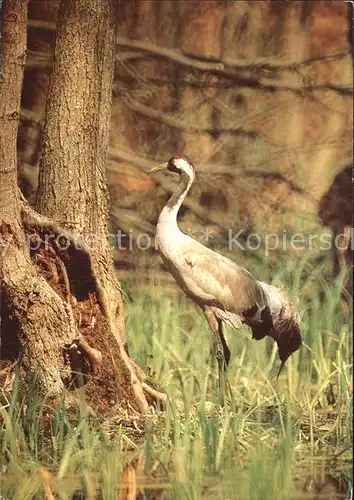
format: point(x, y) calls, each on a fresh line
point(229, 285)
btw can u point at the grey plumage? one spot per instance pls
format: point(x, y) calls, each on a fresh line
point(224, 291)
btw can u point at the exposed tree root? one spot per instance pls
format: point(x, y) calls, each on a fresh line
point(65, 279)
point(90, 314)
point(156, 395)
point(94, 355)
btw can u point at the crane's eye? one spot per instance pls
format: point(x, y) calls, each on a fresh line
point(172, 166)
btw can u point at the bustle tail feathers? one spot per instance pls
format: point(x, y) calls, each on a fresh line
point(285, 319)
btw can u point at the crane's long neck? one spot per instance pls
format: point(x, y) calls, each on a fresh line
point(170, 211)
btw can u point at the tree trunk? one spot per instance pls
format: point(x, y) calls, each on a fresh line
point(67, 302)
point(36, 310)
point(79, 104)
point(13, 56)
point(40, 46)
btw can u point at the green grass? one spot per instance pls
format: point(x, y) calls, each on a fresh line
point(286, 439)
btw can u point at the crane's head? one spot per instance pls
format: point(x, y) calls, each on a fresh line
point(178, 164)
point(289, 341)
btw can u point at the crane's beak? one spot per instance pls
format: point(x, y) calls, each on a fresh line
point(163, 166)
point(280, 369)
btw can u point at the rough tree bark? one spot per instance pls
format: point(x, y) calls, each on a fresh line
point(25, 295)
point(63, 293)
point(40, 44)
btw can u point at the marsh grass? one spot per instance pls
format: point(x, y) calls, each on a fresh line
point(285, 439)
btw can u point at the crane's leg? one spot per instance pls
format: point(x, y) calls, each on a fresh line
point(225, 347)
point(222, 352)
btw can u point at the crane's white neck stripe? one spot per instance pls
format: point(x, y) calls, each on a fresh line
point(168, 217)
point(184, 166)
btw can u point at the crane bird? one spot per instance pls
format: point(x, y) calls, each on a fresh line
point(223, 290)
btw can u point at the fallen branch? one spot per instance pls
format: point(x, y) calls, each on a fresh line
point(218, 65)
point(207, 64)
point(166, 119)
point(228, 68)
